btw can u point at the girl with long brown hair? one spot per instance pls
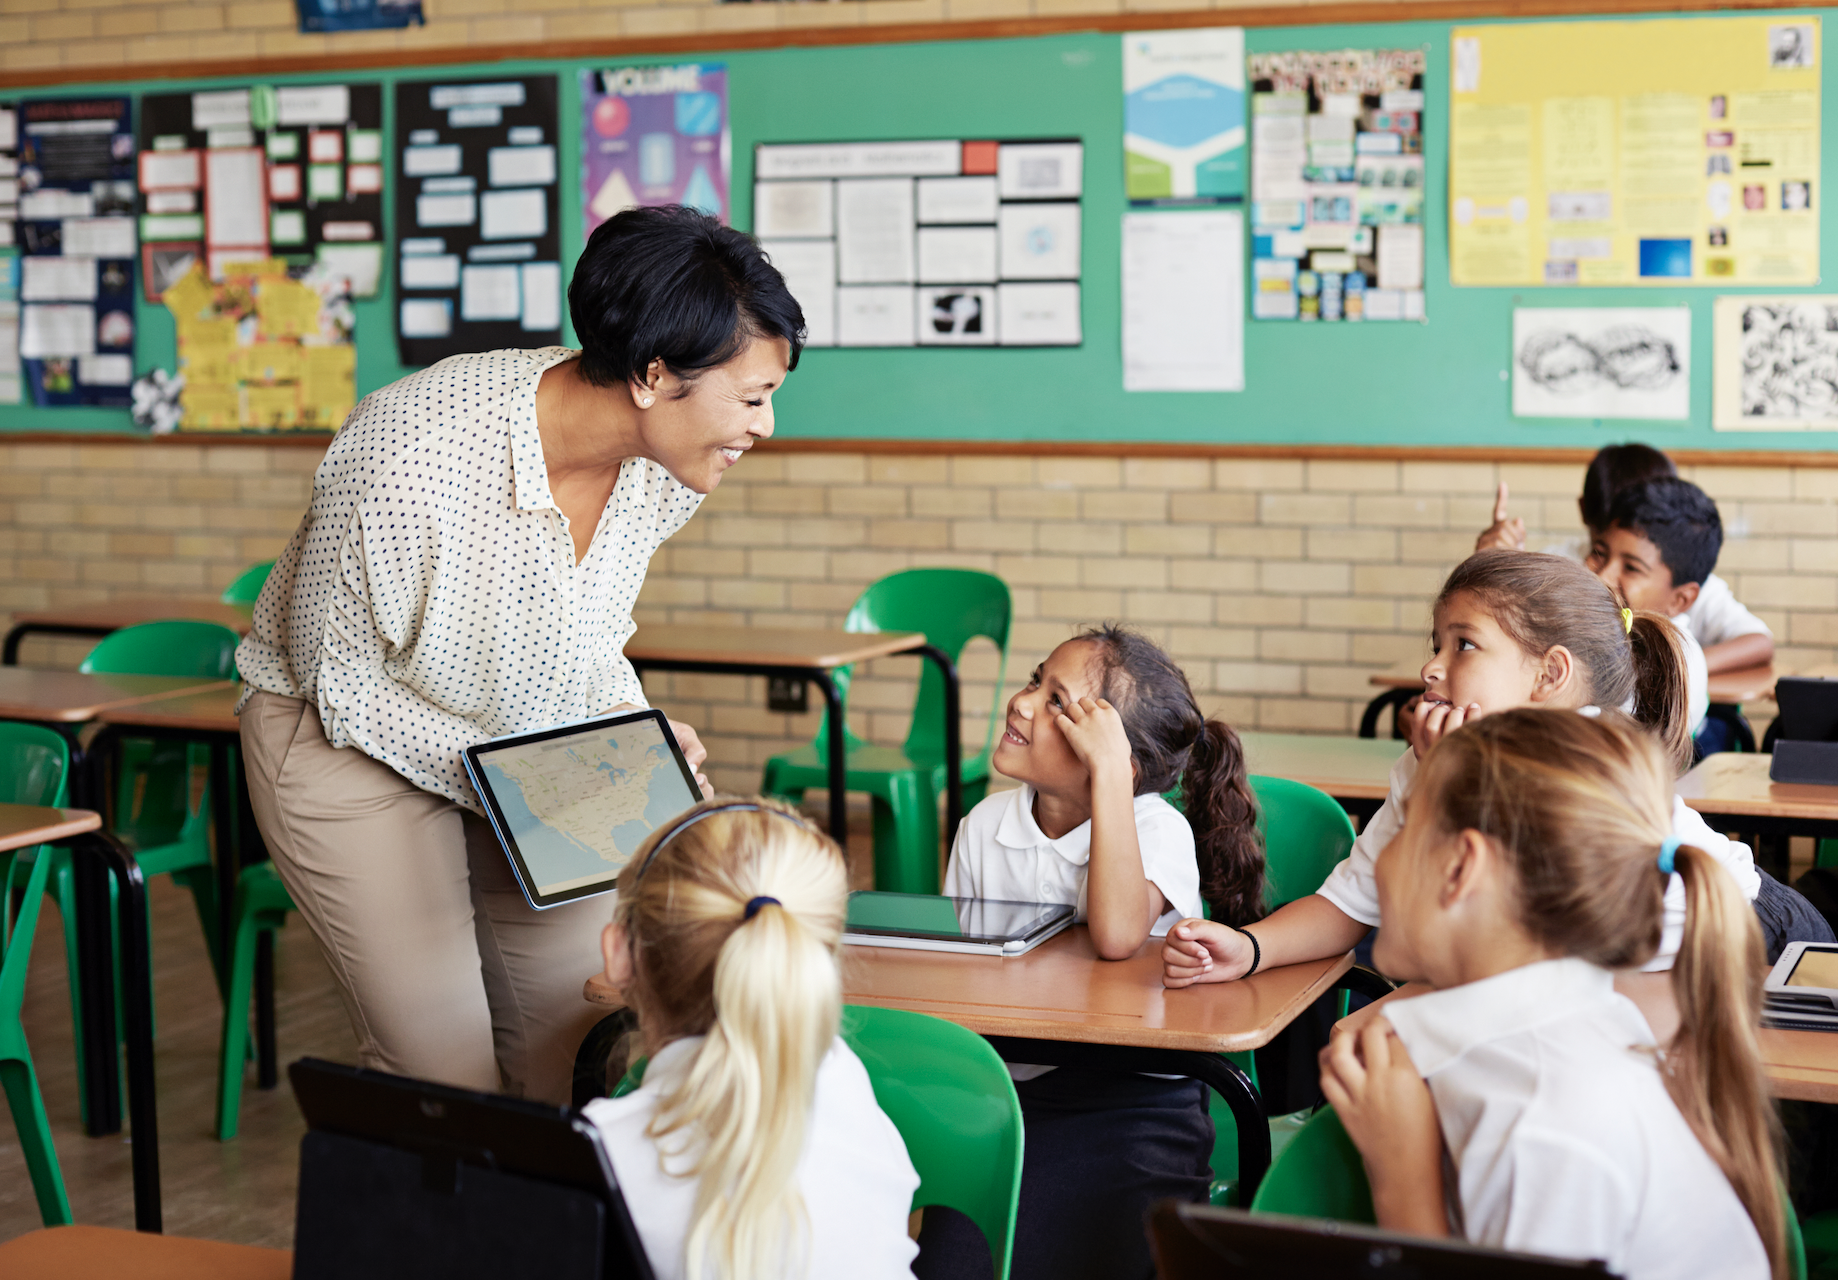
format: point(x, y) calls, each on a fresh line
point(1533, 863)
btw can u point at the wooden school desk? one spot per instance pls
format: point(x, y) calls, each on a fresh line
point(1060, 1005)
point(807, 655)
point(1355, 771)
point(1733, 792)
point(96, 856)
point(1801, 1064)
point(68, 698)
point(110, 616)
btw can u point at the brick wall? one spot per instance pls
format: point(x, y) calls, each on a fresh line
point(1278, 584)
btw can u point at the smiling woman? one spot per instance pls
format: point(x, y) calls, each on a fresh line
point(477, 536)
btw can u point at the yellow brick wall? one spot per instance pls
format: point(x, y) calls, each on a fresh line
point(1279, 585)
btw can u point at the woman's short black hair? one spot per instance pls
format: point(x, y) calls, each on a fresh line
point(671, 283)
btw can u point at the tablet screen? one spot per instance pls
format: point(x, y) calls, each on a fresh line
point(929, 916)
point(577, 804)
point(1815, 969)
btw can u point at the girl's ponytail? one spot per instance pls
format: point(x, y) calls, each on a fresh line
point(1713, 1070)
point(1662, 698)
point(1216, 794)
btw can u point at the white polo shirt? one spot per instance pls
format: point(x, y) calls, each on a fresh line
point(1562, 1136)
point(855, 1176)
point(1353, 884)
point(1001, 852)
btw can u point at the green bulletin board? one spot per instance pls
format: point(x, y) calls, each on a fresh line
point(1439, 383)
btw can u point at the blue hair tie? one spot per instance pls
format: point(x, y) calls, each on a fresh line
point(1668, 850)
point(754, 904)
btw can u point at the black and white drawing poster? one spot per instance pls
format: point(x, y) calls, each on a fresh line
point(1775, 363)
point(1602, 362)
point(477, 206)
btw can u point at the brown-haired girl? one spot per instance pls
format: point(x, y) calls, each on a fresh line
point(1105, 725)
point(1532, 864)
point(755, 1147)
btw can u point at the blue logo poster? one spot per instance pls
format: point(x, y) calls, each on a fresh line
point(358, 15)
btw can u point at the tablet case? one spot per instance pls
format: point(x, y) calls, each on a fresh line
point(1806, 741)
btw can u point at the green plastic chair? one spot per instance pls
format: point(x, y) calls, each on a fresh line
point(954, 1104)
point(248, 584)
point(1318, 1175)
point(34, 769)
point(952, 607)
point(261, 906)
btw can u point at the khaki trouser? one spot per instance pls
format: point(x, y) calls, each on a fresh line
point(446, 971)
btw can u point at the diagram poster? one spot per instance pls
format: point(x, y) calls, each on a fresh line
point(1602, 362)
point(1775, 363)
point(477, 208)
point(1337, 184)
point(1674, 152)
point(1183, 116)
point(654, 135)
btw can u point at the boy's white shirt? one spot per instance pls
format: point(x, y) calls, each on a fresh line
point(1714, 617)
point(855, 1176)
point(1352, 886)
point(1563, 1138)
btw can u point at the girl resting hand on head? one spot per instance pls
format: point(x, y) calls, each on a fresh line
point(754, 1150)
point(1533, 862)
point(1105, 725)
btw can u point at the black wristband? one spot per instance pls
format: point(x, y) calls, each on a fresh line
point(1257, 952)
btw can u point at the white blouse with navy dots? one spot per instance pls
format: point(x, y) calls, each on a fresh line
point(430, 598)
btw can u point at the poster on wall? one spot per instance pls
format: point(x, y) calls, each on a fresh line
point(1183, 116)
point(1337, 185)
point(1775, 363)
point(477, 217)
point(1675, 152)
point(1602, 362)
point(357, 15)
point(958, 243)
point(1183, 300)
point(77, 249)
point(10, 383)
point(240, 175)
point(654, 135)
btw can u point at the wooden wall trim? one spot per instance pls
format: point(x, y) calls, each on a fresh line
point(1263, 15)
point(1823, 460)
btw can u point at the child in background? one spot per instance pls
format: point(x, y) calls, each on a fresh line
point(754, 1147)
point(1532, 865)
point(1732, 638)
point(1105, 725)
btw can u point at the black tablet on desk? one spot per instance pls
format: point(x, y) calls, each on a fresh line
point(928, 922)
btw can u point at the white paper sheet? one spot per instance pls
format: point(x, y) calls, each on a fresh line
point(47, 331)
point(172, 202)
point(1183, 301)
point(426, 317)
point(949, 200)
point(520, 166)
point(43, 279)
point(423, 162)
point(364, 179)
point(500, 252)
point(874, 232)
point(228, 138)
point(874, 316)
point(235, 197)
point(513, 215)
point(957, 255)
point(286, 226)
point(857, 160)
point(100, 237)
point(325, 182)
point(1771, 363)
point(1041, 170)
point(49, 203)
point(366, 146)
point(312, 104)
point(1602, 362)
point(361, 264)
point(446, 211)
point(1400, 256)
point(542, 296)
point(423, 244)
point(1038, 315)
point(347, 231)
point(169, 169)
point(504, 93)
point(431, 271)
point(956, 315)
point(490, 293)
point(108, 370)
point(794, 209)
point(444, 186)
point(809, 268)
point(225, 109)
point(9, 128)
point(284, 182)
point(325, 146)
point(1040, 241)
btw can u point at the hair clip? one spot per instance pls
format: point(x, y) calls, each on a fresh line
point(696, 815)
point(1668, 853)
point(1627, 621)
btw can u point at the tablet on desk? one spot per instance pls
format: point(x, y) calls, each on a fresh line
point(572, 804)
point(1801, 991)
point(927, 922)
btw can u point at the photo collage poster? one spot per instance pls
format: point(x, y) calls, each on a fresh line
point(291, 173)
point(477, 213)
point(654, 135)
point(77, 248)
point(1337, 185)
point(958, 243)
point(10, 383)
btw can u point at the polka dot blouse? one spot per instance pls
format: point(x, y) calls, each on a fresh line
point(430, 598)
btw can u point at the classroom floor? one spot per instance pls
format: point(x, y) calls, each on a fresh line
point(240, 1191)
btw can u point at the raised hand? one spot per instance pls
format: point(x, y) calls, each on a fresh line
point(1504, 532)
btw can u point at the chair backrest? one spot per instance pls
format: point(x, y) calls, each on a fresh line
point(1318, 1175)
point(248, 584)
point(177, 647)
point(953, 1102)
point(1306, 833)
point(952, 607)
point(34, 764)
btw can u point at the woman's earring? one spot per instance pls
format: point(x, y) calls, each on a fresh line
point(645, 403)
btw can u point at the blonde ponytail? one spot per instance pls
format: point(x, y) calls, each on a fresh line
point(736, 920)
point(1713, 1069)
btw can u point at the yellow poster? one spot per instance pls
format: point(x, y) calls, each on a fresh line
point(1679, 151)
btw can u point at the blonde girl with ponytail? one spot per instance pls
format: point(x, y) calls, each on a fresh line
point(754, 1148)
point(1532, 864)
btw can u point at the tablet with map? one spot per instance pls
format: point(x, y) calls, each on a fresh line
point(572, 804)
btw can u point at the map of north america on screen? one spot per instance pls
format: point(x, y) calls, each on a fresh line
point(579, 807)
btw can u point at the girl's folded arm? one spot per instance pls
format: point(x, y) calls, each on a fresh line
point(1310, 928)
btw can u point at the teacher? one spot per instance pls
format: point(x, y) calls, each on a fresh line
point(477, 536)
